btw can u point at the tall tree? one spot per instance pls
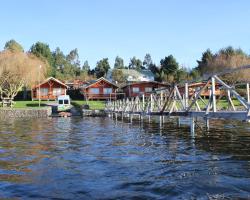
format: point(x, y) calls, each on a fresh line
point(58, 59)
point(73, 57)
point(225, 59)
point(147, 61)
point(135, 64)
point(102, 67)
point(86, 66)
point(117, 75)
point(12, 45)
point(119, 63)
point(169, 65)
point(42, 50)
point(207, 56)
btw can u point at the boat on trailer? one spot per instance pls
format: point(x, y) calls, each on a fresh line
point(63, 103)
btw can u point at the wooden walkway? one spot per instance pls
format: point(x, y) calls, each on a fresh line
point(170, 102)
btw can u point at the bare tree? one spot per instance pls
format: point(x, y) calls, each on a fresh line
point(18, 69)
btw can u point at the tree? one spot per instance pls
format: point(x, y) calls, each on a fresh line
point(12, 45)
point(117, 75)
point(119, 63)
point(225, 59)
point(102, 67)
point(135, 64)
point(73, 58)
point(86, 66)
point(58, 59)
point(169, 67)
point(147, 61)
point(17, 70)
point(207, 56)
point(42, 51)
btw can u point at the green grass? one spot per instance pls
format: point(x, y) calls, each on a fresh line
point(94, 105)
point(100, 105)
point(30, 104)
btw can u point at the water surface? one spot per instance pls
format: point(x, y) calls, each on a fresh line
point(98, 158)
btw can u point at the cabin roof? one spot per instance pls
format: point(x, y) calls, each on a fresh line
point(51, 78)
point(98, 80)
point(145, 82)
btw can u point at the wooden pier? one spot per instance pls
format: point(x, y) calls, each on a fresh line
point(170, 102)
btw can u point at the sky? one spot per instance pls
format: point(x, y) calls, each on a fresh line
point(127, 28)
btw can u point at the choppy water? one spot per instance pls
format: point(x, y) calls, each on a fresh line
point(96, 158)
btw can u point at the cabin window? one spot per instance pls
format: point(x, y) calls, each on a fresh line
point(44, 91)
point(148, 89)
point(136, 90)
point(94, 90)
point(66, 101)
point(57, 91)
point(107, 90)
point(60, 101)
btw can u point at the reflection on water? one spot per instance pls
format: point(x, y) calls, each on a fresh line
point(96, 158)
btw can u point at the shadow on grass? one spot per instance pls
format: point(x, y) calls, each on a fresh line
point(35, 105)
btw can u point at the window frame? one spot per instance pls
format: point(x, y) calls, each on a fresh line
point(94, 90)
point(134, 90)
point(110, 90)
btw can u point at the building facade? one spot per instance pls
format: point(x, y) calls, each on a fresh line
point(143, 87)
point(100, 89)
point(50, 89)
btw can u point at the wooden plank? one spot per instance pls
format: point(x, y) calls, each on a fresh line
point(195, 99)
point(168, 99)
point(248, 93)
point(213, 95)
point(230, 100)
point(241, 99)
point(186, 95)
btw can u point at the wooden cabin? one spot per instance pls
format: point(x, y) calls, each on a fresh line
point(100, 89)
point(143, 87)
point(50, 89)
point(197, 86)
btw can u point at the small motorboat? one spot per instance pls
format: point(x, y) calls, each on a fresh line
point(63, 103)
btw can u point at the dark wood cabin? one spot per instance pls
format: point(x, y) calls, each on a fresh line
point(50, 89)
point(197, 86)
point(100, 89)
point(143, 87)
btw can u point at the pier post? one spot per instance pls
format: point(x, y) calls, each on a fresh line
point(192, 127)
point(151, 103)
point(186, 96)
point(178, 122)
point(143, 102)
point(248, 93)
point(207, 123)
point(213, 94)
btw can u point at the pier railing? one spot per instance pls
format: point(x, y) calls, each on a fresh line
point(171, 101)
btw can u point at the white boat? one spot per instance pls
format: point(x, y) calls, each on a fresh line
point(63, 103)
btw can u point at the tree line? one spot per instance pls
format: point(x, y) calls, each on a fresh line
point(68, 66)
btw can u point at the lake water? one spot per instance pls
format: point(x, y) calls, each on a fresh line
point(98, 158)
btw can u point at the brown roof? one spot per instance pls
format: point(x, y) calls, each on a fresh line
point(51, 78)
point(142, 82)
point(98, 80)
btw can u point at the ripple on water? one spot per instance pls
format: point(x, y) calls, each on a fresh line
point(95, 158)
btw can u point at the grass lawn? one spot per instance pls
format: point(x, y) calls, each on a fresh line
point(30, 104)
point(94, 105)
point(100, 105)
